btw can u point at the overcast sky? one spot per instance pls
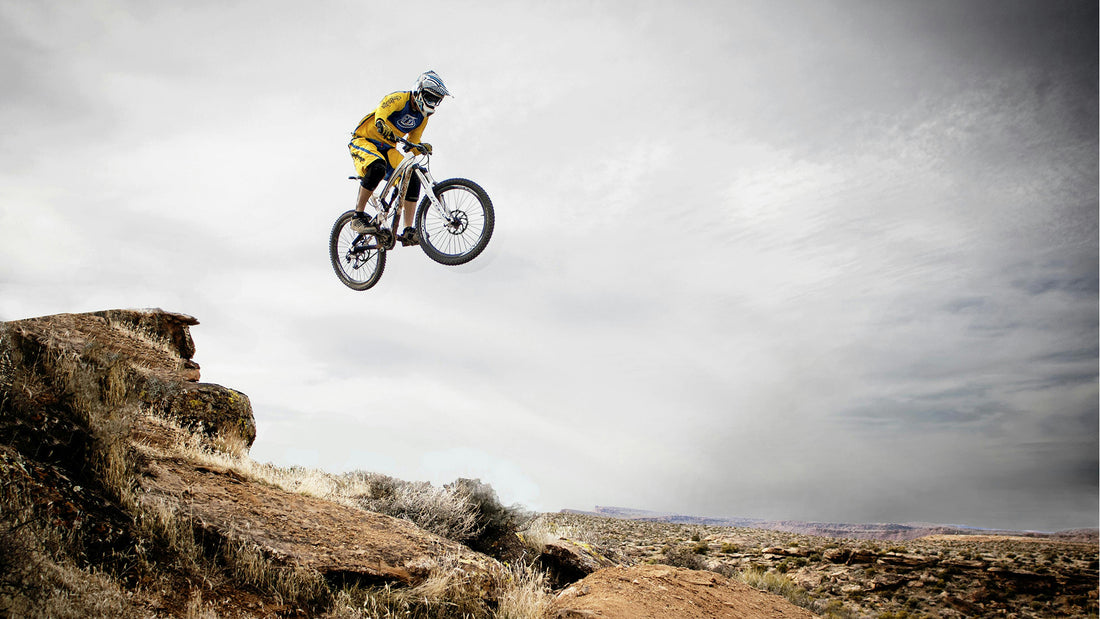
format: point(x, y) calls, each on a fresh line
point(815, 260)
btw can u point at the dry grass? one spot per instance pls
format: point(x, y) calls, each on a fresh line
point(288, 583)
point(523, 593)
point(778, 584)
point(519, 593)
point(145, 336)
point(198, 609)
point(38, 577)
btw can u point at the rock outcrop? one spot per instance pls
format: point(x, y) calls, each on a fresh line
point(143, 356)
point(566, 561)
point(98, 417)
point(174, 328)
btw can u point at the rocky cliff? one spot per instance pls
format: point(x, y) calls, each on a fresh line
point(127, 491)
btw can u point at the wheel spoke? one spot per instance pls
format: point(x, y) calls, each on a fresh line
point(458, 234)
point(357, 258)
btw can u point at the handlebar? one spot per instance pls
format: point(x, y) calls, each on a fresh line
point(410, 145)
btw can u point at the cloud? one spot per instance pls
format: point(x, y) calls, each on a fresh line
point(830, 261)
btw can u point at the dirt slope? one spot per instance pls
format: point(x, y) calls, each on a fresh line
point(303, 530)
point(665, 592)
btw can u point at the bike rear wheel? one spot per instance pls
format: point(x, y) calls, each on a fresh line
point(357, 258)
point(459, 234)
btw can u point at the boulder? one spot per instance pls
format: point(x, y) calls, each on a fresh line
point(793, 551)
point(860, 555)
point(904, 560)
point(848, 556)
point(1023, 580)
point(215, 411)
point(566, 562)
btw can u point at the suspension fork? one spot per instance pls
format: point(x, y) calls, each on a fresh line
point(427, 183)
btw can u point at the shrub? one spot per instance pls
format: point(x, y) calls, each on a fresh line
point(777, 584)
point(684, 556)
point(496, 524)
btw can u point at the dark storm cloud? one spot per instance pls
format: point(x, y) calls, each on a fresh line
point(1010, 32)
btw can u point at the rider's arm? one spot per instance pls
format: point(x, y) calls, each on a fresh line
point(386, 130)
point(392, 103)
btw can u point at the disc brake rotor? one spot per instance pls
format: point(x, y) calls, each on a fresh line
point(458, 222)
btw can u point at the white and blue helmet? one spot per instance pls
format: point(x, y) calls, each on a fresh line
point(429, 91)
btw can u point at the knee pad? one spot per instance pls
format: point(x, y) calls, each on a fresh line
point(373, 174)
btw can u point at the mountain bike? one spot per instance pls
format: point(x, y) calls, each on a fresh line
point(453, 222)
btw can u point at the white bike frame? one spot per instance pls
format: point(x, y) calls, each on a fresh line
point(418, 163)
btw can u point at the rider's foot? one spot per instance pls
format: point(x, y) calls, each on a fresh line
point(362, 223)
point(408, 237)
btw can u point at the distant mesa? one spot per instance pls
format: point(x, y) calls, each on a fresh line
point(876, 531)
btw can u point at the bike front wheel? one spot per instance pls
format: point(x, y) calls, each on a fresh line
point(458, 233)
point(357, 258)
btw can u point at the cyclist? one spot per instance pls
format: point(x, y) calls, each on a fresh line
point(373, 146)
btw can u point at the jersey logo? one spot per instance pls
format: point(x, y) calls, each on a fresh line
point(407, 122)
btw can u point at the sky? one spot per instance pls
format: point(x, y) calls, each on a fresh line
point(828, 260)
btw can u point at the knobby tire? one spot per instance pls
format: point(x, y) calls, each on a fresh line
point(341, 242)
point(450, 244)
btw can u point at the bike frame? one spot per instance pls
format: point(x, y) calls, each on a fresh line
point(399, 180)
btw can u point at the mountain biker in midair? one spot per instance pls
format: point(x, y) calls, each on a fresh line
point(373, 146)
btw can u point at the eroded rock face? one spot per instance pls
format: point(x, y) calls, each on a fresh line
point(664, 592)
point(171, 326)
point(136, 356)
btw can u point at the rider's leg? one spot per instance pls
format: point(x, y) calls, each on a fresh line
point(371, 177)
point(361, 200)
point(409, 203)
point(409, 206)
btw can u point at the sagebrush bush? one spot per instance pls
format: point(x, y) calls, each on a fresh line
point(496, 523)
point(778, 584)
point(684, 556)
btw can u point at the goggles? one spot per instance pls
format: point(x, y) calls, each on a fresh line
point(430, 98)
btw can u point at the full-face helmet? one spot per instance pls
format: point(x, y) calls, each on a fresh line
point(429, 91)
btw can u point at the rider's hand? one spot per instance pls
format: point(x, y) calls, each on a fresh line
point(384, 130)
point(424, 147)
